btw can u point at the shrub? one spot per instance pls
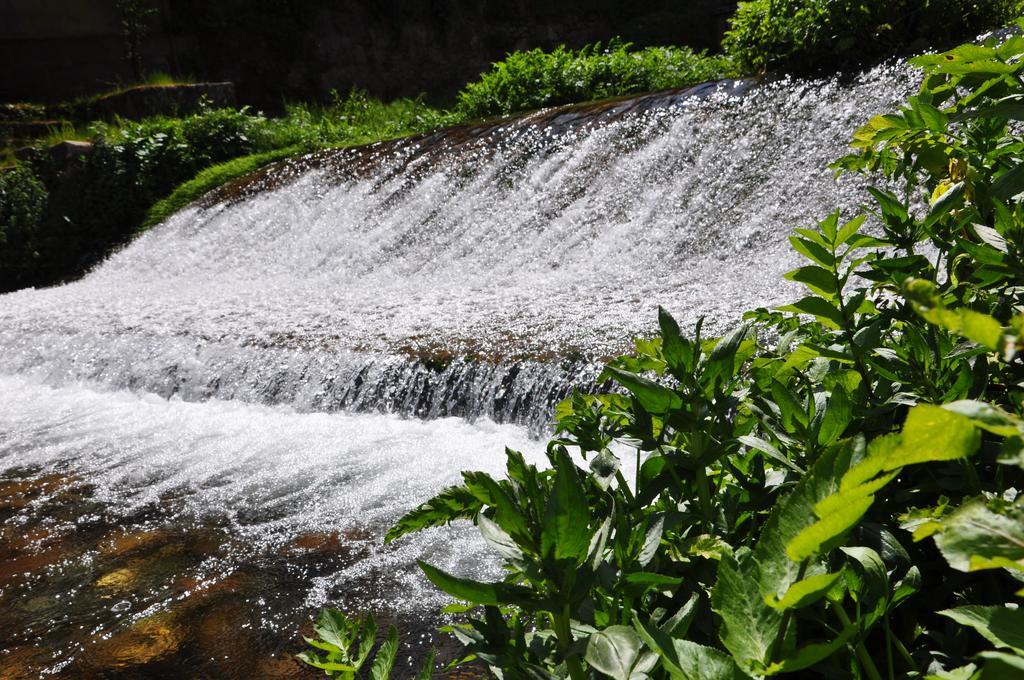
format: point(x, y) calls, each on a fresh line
point(22, 202)
point(534, 79)
point(833, 488)
point(808, 35)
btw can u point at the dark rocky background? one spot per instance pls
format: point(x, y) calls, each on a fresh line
point(279, 50)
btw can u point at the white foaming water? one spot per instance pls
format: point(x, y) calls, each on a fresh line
point(522, 249)
point(267, 473)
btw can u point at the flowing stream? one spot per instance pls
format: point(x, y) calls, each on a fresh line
point(204, 439)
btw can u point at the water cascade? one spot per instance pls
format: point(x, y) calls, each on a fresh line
point(243, 369)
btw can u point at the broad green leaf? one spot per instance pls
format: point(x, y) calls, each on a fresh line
point(566, 530)
point(749, 626)
point(813, 252)
point(1008, 185)
point(988, 417)
point(506, 512)
point(838, 414)
point(828, 532)
point(333, 627)
point(655, 398)
point(797, 511)
point(678, 351)
point(652, 539)
point(1002, 626)
point(821, 309)
point(687, 660)
point(808, 655)
point(614, 651)
point(849, 229)
point(820, 281)
point(769, 450)
point(932, 433)
point(873, 590)
point(477, 592)
point(384, 662)
point(501, 542)
point(1002, 666)
point(804, 593)
point(647, 578)
point(974, 538)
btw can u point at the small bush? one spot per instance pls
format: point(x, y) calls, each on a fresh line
point(22, 202)
point(811, 35)
point(535, 79)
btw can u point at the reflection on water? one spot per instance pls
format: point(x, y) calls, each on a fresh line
point(88, 592)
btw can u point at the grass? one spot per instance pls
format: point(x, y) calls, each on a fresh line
point(211, 178)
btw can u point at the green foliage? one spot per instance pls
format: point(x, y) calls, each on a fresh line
point(344, 645)
point(796, 484)
point(534, 79)
point(211, 178)
point(141, 172)
point(808, 35)
point(22, 202)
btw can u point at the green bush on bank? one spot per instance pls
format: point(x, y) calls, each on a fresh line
point(22, 202)
point(811, 35)
point(535, 78)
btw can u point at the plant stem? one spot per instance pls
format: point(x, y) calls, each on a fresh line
point(862, 653)
point(704, 496)
point(787, 616)
point(564, 636)
point(904, 653)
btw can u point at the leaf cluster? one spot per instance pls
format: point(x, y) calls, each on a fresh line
point(533, 79)
point(813, 35)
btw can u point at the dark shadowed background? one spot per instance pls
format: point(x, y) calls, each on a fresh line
point(276, 50)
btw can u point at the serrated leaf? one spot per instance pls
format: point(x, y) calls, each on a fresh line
point(384, 662)
point(804, 593)
point(565, 533)
point(687, 660)
point(932, 433)
point(829, 531)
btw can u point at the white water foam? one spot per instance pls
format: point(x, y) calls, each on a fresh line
point(553, 243)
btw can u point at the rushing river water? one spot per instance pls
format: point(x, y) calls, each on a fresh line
point(203, 440)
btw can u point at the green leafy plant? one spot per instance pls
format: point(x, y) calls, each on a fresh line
point(344, 645)
point(776, 500)
point(533, 79)
point(809, 35)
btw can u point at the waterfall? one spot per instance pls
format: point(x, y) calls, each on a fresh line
point(237, 381)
